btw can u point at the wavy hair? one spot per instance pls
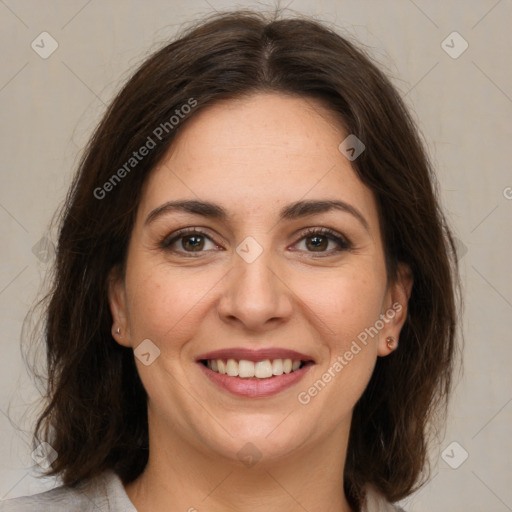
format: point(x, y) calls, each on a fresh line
point(95, 413)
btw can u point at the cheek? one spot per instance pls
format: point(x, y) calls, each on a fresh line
point(348, 305)
point(165, 302)
point(346, 301)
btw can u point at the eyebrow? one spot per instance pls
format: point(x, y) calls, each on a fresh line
point(292, 211)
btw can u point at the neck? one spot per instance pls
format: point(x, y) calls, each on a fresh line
point(181, 475)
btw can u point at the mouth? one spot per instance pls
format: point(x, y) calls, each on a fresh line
point(245, 369)
point(254, 374)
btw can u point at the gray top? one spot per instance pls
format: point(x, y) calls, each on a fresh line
point(102, 494)
point(106, 494)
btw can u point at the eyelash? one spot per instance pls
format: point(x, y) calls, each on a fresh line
point(343, 243)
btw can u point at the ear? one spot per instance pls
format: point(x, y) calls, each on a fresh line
point(394, 311)
point(117, 302)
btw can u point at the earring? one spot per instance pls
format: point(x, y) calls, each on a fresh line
point(118, 330)
point(392, 343)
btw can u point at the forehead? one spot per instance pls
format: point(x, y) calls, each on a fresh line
point(257, 151)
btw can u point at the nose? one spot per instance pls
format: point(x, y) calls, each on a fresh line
point(255, 296)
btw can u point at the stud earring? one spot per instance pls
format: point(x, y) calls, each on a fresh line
point(392, 343)
point(118, 330)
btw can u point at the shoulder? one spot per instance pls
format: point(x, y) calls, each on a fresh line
point(376, 502)
point(59, 499)
point(101, 494)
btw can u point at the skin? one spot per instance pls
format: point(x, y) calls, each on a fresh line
point(253, 156)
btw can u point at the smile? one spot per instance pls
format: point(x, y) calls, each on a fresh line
point(250, 373)
point(245, 369)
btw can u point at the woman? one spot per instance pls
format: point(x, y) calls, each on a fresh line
point(254, 296)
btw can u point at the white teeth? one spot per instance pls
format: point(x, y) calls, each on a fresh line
point(232, 368)
point(263, 369)
point(245, 369)
point(248, 369)
point(277, 367)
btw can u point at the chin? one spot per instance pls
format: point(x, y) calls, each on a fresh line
point(253, 439)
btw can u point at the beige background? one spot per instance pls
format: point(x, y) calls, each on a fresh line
point(463, 105)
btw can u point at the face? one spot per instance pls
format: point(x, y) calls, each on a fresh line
point(265, 267)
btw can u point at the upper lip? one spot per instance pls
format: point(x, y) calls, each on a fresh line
point(255, 355)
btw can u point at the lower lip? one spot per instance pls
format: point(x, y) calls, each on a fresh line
point(254, 387)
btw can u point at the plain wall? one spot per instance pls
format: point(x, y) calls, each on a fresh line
point(463, 106)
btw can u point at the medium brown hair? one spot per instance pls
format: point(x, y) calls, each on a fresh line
point(95, 413)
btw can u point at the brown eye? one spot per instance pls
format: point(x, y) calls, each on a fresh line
point(317, 243)
point(187, 242)
point(318, 240)
point(192, 242)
